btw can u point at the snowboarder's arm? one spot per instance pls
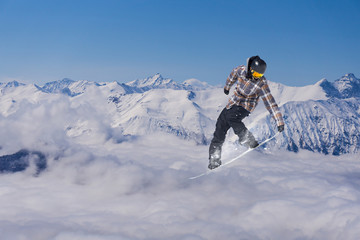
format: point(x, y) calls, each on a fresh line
point(271, 105)
point(233, 77)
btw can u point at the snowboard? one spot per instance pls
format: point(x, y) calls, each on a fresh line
point(234, 159)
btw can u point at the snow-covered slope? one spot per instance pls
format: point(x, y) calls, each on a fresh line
point(347, 86)
point(156, 81)
point(284, 94)
point(195, 84)
point(323, 117)
point(173, 111)
point(68, 86)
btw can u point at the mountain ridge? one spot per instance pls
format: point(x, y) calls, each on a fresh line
point(322, 117)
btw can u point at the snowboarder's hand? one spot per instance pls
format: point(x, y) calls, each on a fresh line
point(281, 128)
point(226, 91)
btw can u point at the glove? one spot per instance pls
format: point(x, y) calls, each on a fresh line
point(226, 91)
point(281, 128)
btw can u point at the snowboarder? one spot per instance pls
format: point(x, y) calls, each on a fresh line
point(251, 85)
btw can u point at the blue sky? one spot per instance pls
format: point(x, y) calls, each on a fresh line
point(108, 40)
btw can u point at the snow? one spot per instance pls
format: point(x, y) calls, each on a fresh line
point(156, 81)
point(285, 93)
point(105, 182)
point(196, 84)
point(348, 86)
point(161, 108)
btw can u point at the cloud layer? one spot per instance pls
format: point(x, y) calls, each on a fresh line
point(99, 187)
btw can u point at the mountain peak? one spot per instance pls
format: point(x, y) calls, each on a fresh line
point(158, 75)
point(66, 80)
point(322, 82)
point(348, 86)
point(14, 84)
point(350, 76)
point(60, 86)
point(156, 81)
point(58, 83)
point(195, 84)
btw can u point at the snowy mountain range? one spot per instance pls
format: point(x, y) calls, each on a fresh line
point(326, 120)
point(324, 117)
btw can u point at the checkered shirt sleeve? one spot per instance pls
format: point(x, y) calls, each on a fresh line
point(270, 104)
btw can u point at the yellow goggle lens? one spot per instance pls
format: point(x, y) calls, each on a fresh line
point(256, 74)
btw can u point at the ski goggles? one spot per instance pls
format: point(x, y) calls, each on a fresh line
point(256, 74)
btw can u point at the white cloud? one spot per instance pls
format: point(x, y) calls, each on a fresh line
point(129, 191)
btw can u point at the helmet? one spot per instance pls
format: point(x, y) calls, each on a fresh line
point(256, 67)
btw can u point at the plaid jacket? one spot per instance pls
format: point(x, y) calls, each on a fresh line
point(247, 93)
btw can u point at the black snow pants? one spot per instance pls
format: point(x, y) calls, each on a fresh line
point(228, 118)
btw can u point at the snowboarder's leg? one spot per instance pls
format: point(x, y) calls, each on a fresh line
point(248, 139)
point(235, 118)
point(219, 137)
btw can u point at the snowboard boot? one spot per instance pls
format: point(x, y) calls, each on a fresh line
point(252, 143)
point(249, 140)
point(214, 162)
point(214, 155)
